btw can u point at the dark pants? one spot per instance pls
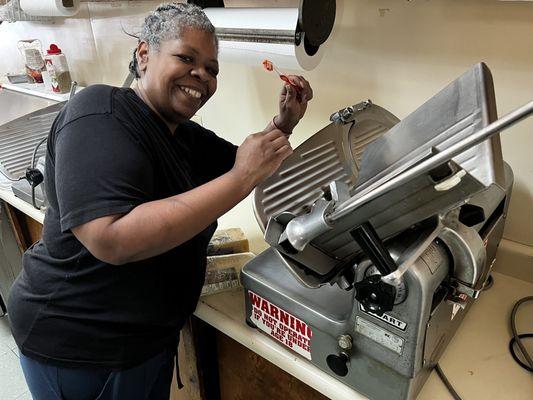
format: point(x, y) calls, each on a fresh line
point(148, 381)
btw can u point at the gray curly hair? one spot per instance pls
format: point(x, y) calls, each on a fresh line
point(167, 22)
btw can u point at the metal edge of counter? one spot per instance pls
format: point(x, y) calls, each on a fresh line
point(37, 90)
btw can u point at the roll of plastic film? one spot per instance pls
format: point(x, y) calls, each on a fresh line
point(293, 38)
point(50, 8)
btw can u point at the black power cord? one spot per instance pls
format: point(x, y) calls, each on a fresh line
point(33, 175)
point(488, 285)
point(10, 179)
point(517, 338)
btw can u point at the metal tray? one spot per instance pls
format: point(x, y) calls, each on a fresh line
point(25, 120)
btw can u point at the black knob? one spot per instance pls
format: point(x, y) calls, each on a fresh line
point(338, 363)
point(375, 295)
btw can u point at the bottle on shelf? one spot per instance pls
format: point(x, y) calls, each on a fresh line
point(57, 68)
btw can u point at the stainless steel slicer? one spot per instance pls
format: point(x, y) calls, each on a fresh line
point(382, 234)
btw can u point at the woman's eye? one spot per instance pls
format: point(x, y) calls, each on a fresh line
point(212, 71)
point(186, 59)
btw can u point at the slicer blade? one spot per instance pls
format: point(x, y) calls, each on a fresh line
point(334, 153)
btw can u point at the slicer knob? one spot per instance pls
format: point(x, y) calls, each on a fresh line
point(375, 295)
point(338, 363)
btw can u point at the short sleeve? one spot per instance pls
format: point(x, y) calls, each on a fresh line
point(100, 170)
point(212, 155)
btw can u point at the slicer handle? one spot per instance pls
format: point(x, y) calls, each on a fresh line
point(369, 241)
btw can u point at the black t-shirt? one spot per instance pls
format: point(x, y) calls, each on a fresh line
point(107, 153)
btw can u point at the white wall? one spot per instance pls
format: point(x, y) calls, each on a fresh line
point(397, 53)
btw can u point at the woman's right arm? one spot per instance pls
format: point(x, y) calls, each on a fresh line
point(155, 227)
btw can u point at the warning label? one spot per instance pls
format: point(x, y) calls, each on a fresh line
point(285, 327)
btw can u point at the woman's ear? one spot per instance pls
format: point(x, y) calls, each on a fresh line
point(142, 56)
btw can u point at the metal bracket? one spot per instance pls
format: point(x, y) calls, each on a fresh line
point(348, 114)
point(303, 229)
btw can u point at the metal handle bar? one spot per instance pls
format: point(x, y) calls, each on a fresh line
point(434, 161)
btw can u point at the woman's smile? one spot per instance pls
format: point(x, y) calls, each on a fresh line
point(194, 93)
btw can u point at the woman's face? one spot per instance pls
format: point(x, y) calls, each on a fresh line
point(180, 77)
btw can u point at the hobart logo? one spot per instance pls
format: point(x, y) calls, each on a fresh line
point(387, 318)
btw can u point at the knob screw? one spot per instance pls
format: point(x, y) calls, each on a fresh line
point(345, 342)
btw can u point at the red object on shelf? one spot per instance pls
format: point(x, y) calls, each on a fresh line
point(53, 49)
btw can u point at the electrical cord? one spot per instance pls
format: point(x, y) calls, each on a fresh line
point(517, 338)
point(10, 179)
point(33, 175)
point(33, 202)
point(447, 383)
point(36, 149)
point(488, 285)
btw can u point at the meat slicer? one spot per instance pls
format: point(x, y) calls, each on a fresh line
point(382, 234)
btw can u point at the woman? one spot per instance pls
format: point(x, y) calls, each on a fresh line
point(135, 189)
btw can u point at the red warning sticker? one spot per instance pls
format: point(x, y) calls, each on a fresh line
point(278, 323)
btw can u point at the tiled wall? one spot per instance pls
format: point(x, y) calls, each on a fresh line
point(397, 53)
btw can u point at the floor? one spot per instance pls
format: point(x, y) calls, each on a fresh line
point(12, 383)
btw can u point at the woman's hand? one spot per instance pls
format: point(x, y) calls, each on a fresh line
point(293, 103)
point(260, 155)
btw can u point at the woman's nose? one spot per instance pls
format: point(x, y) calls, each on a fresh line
point(200, 73)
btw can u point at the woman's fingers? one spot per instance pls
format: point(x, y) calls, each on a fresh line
point(295, 80)
point(284, 152)
point(274, 134)
point(279, 143)
point(306, 92)
point(261, 154)
point(291, 94)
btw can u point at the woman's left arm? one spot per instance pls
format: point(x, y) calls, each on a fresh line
point(292, 104)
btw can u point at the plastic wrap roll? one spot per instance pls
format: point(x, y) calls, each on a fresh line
point(293, 38)
point(50, 8)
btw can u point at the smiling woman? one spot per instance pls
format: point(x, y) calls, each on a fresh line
point(178, 78)
point(135, 189)
point(176, 59)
